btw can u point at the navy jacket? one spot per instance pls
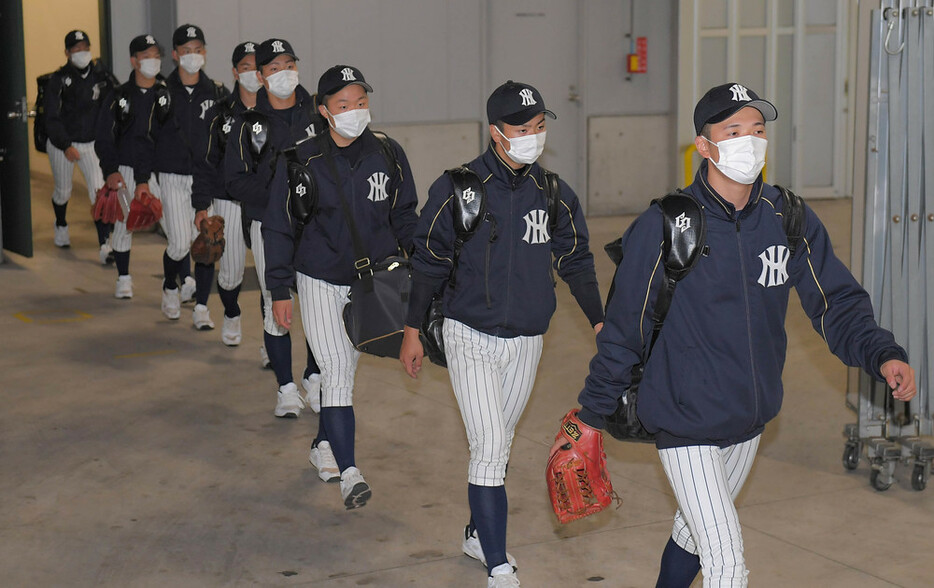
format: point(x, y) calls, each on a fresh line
point(503, 283)
point(183, 137)
point(247, 175)
point(123, 130)
point(384, 213)
point(72, 102)
point(715, 374)
point(208, 181)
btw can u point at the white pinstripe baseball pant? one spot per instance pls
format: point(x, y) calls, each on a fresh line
point(63, 170)
point(233, 261)
point(178, 215)
point(121, 239)
point(706, 480)
point(259, 260)
point(322, 307)
point(492, 379)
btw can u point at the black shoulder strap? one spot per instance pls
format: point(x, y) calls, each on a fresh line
point(388, 153)
point(468, 205)
point(258, 126)
point(792, 218)
point(303, 190)
point(552, 196)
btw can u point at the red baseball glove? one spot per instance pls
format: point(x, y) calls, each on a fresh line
point(145, 211)
point(578, 482)
point(106, 206)
point(208, 247)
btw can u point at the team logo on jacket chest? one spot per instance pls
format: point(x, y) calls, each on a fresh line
point(536, 227)
point(378, 184)
point(774, 266)
point(205, 105)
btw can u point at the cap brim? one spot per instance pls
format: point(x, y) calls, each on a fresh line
point(524, 116)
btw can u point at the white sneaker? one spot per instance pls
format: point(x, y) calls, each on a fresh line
point(61, 236)
point(312, 386)
point(323, 459)
point(171, 307)
point(105, 254)
point(502, 576)
point(201, 317)
point(230, 333)
point(188, 289)
point(124, 287)
point(289, 403)
point(354, 489)
point(264, 358)
point(472, 548)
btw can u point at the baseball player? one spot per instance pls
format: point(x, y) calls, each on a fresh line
point(284, 113)
point(208, 191)
point(177, 139)
point(380, 193)
point(72, 102)
point(713, 378)
point(122, 142)
point(501, 300)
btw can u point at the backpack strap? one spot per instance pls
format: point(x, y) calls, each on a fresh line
point(388, 152)
point(258, 127)
point(303, 190)
point(552, 196)
point(162, 102)
point(468, 206)
point(793, 218)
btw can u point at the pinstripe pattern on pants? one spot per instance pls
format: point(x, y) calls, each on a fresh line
point(63, 170)
point(121, 239)
point(492, 379)
point(178, 215)
point(322, 308)
point(233, 261)
point(259, 260)
point(706, 480)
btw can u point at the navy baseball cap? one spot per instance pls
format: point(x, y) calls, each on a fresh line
point(339, 76)
point(722, 102)
point(141, 43)
point(515, 103)
point(75, 37)
point(241, 51)
point(186, 33)
point(272, 48)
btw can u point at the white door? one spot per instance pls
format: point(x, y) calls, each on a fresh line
point(535, 42)
point(792, 53)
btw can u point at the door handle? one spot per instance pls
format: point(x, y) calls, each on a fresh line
point(21, 112)
point(2, 153)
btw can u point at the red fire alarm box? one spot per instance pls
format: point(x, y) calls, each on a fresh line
point(638, 62)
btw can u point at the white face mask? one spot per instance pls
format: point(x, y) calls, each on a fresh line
point(525, 150)
point(742, 158)
point(150, 67)
point(350, 124)
point(283, 83)
point(250, 81)
point(81, 59)
point(192, 62)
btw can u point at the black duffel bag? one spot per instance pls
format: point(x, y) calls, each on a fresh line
point(375, 316)
point(432, 338)
point(624, 423)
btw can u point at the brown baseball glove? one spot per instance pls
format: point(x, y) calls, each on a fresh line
point(209, 245)
point(578, 482)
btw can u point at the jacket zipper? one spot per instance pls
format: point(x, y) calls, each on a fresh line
point(489, 248)
point(752, 357)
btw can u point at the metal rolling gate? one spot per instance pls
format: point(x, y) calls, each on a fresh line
point(898, 266)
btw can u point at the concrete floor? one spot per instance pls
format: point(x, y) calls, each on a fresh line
point(136, 451)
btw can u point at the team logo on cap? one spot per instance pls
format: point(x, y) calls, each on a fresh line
point(150, 40)
point(191, 33)
point(249, 48)
point(79, 35)
point(740, 93)
point(527, 98)
point(277, 47)
point(348, 75)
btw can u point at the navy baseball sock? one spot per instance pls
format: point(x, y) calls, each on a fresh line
point(60, 214)
point(170, 271)
point(229, 300)
point(204, 275)
point(122, 259)
point(341, 426)
point(184, 267)
point(103, 231)
point(279, 349)
point(488, 510)
point(311, 367)
point(679, 568)
point(322, 433)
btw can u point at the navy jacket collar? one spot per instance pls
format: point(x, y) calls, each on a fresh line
point(717, 204)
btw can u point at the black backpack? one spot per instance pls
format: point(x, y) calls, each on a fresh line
point(685, 235)
point(469, 209)
point(39, 134)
